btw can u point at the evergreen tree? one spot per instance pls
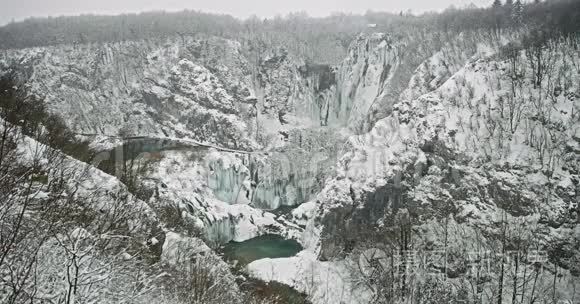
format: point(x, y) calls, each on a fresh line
point(509, 4)
point(508, 8)
point(498, 15)
point(518, 13)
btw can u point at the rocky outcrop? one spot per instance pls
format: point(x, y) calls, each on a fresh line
point(449, 149)
point(454, 156)
point(149, 88)
point(363, 80)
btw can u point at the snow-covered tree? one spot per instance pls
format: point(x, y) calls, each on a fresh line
point(517, 13)
point(509, 5)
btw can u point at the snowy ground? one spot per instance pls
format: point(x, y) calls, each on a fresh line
point(324, 282)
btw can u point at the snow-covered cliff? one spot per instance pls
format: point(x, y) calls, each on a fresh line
point(488, 157)
point(473, 147)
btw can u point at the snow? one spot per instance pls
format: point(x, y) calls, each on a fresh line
point(130, 92)
point(304, 212)
point(177, 248)
point(455, 100)
point(456, 112)
point(200, 195)
point(324, 282)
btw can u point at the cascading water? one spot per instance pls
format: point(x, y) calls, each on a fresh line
point(363, 80)
point(330, 97)
point(230, 184)
point(274, 181)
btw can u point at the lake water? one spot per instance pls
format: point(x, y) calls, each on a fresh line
point(266, 246)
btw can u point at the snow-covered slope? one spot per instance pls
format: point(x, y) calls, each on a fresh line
point(468, 148)
point(143, 88)
point(487, 148)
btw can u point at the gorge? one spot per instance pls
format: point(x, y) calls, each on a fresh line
point(388, 175)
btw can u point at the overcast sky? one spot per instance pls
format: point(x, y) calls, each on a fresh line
point(20, 9)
